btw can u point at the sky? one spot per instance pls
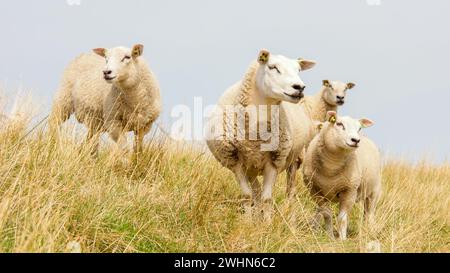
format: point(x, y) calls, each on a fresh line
point(396, 51)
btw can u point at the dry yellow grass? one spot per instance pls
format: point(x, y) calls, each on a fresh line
point(54, 196)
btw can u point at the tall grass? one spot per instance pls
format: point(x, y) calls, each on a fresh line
point(54, 197)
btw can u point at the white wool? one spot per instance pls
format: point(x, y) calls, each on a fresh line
point(127, 98)
point(343, 166)
point(273, 82)
point(314, 109)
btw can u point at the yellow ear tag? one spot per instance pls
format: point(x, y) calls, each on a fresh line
point(320, 126)
point(263, 58)
point(332, 119)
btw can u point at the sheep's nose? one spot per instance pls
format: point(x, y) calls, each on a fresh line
point(356, 140)
point(340, 97)
point(107, 72)
point(298, 87)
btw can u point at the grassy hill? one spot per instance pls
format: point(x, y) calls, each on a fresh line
point(54, 197)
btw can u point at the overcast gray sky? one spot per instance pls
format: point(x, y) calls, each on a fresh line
point(396, 52)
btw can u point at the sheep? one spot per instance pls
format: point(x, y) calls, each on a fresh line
point(118, 97)
point(331, 96)
point(272, 82)
point(343, 166)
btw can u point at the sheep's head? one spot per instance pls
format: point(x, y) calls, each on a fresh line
point(335, 92)
point(119, 62)
point(277, 77)
point(344, 132)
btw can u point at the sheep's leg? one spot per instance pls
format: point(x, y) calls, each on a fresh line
point(61, 110)
point(291, 180)
point(270, 177)
point(328, 217)
point(346, 202)
point(118, 135)
point(315, 222)
point(370, 204)
point(324, 210)
point(252, 177)
point(138, 140)
point(247, 194)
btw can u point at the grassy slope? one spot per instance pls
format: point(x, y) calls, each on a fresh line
point(179, 200)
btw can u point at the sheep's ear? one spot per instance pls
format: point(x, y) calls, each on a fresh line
point(326, 83)
point(366, 123)
point(350, 85)
point(332, 117)
point(100, 51)
point(263, 56)
point(137, 50)
point(306, 64)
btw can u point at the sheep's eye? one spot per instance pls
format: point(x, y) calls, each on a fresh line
point(340, 125)
point(275, 67)
point(126, 58)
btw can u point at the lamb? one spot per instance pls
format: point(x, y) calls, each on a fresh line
point(343, 166)
point(331, 96)
point(124, 98)
point(272, 85)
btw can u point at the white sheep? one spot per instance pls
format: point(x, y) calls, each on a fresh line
point(273, 84)
point(343, 166)
point(117, 97)
point(331, 96)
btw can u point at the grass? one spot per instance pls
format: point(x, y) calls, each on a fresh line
point(177, 199)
